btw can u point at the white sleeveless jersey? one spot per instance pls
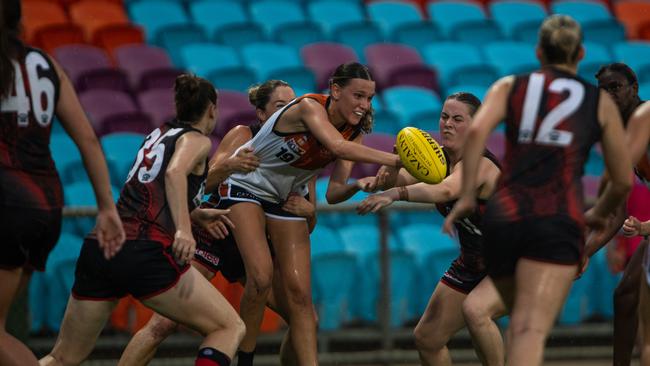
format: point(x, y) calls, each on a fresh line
point(287, 160)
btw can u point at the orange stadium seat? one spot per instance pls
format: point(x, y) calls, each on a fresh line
point(633, 14)
point(40, 14)
point(92, 15)
point(644, 30)
point(113, 36)
point(52, 36)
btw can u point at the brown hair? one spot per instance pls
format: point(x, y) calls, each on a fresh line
point(560, 38)
point(468, 99)
point(260, 94)
point(342, 76)
point(192, 96)
point(9, 29)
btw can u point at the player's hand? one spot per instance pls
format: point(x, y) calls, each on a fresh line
point(374, 203)
point(367, 184)
point(299, 205)
point(184, 246)
point(387, 177)
point(463, 208)
point(244, 161)
point(632, 227)
point(110, 232)
point(214, 221)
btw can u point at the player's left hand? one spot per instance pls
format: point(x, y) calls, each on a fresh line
point(299, 205)
point(374, 203)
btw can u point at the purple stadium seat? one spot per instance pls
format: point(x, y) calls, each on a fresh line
point(105, 78)
point(137, 59)
point(379, 141)
point(322, 58)
point(395, 64)
point(100, 104)
point(158, 78)
point(234, 109)
point(159, 103)
point(137, 122)
point(78, 59)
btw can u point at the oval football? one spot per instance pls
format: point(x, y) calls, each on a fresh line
point(421, 155)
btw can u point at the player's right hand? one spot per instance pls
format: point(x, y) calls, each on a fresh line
point(184, 246)
point(632, 226)
point(244, 161)
point(374, 203)
point(110, 232)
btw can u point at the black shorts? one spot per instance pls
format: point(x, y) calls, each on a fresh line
point(230, 194)
point(29, 236)
point(552, 239)
point(462, 278)
point(143, 268)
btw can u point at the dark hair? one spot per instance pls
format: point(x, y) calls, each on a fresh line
point(560, 38)
point(469, 99)
point(342, 76)
point(192, 96)
point(9, 29)
point(619, 68)
point(260, 94)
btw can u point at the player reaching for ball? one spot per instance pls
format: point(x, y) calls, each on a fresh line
point(293, 146)
point(534, 223)
point(443, 316)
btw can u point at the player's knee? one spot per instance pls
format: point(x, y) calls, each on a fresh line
point(259, 283)
point(299, 296)
point(474, 313)
point(427, 337)
point(525, 328)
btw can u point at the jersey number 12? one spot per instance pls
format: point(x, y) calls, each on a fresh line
point(547, 133)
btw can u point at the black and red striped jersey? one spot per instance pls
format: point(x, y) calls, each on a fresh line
point(143, 203)
point(28, 177)
point(469, 231)
point(551, 125)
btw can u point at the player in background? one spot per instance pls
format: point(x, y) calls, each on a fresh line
point(534, 223)
point(443, 316)
point(34, 88)
point(157, 204)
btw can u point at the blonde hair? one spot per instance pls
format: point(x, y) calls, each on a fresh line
point(560, 39)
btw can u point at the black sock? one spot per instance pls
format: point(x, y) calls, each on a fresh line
point(209, 356)
point(245, 358)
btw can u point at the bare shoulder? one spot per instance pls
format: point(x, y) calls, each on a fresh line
point(504, 84)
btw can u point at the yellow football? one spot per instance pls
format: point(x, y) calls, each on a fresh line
point(421, 155)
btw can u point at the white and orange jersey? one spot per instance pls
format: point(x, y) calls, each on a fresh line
point(287, 160)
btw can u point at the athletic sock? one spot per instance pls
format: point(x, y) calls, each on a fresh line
point(211, 357)
point(245, 358)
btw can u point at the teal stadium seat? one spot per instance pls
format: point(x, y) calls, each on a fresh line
point(273, 14)
point(511, 57)
point(581, 11)
point(300, 34)
point(605, 31)
point(449, 14)
point(333, 279)
point(478, 90)
point(204, 58)
point(59, 273)
point(477, 32)
point(38, 299)
point(417, 107)
point(386, 121)
point(331, 14)
point(596, 55)
point(120, 150)
point(391, 15)
point(213, 16)
point(286, 64)
point(154, 15)
point(417, 34)
point(644, 91)
point(358, 36)
point(174, 37)
point(459, 63)
point(64, 153)
point(240, 34)
point(81, 194)
point(237, 78)
point(635, 54)
point(512, 15)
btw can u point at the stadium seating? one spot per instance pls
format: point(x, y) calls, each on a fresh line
point(391, 15)
point(333, 14)
point(176, 36)
point(358, 35)
point(159, 103)
point(203, 58)
point(56, 35)
point(417, 34)
point(154, 15)
point(477, 32)
point(120, 150)
point(511, 57)
point(458, 63)
point(596, 55)
point(234, 109)
point(213, 16)
point(93, 15)
point(100, 104)
point(80, 59)
point(635, 54)
point(511, 15)
point(273, 14)
point(417, 107)
point(138, 59)
point(394, 64)
point(582, 11)
point(450, 14)
point(241, 34)
point(322, 58)
point(40, 14)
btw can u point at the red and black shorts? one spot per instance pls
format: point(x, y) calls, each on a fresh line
point(219, 255)
point(29, 236)
point(552, 239)
point(461, 277)
point(143, 268)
